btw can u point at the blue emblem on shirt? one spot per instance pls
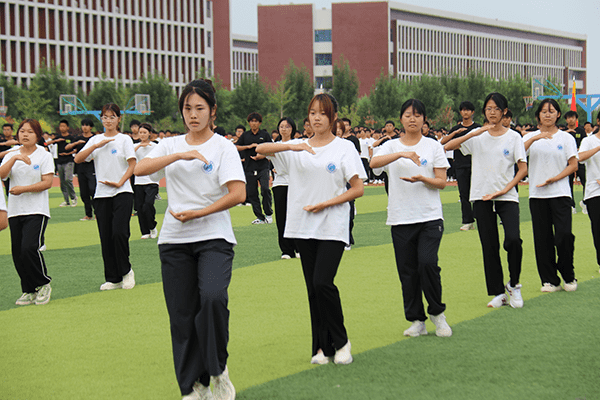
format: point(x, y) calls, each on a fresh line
point(208, 168)
point(506, 152)
point(560, 147)
point(113, 151)
point(423, 162)
point(36, 167)
point(331, 167)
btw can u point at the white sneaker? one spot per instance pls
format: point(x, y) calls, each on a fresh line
point(258, 221)
point(145, 236)
point(468, 227)
point(498, 301)
point(199, 392)
point(319, 358)
point(416, 329)
point(74, 202)
point(516, 300)
point(43, 294)
point(43, 248)
point(153, 233)
point(442, 329)
point(285, 257)
point(298, 256)
point(583, 207)
point(574, 210)
point(571, 287)
point(129, 280)
point(26, 299)
point(347, 247)
point(111, 286)
point(268, 219)
point(224, 389)
point(343, 355)
point(549, 288)
point(63, 204)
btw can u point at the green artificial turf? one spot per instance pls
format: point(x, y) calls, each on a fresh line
point(116, 345)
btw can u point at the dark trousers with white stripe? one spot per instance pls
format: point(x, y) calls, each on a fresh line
point(551, 220)
point(320, 261)
point(113, 215)
point(27, 236)
point(195, 279)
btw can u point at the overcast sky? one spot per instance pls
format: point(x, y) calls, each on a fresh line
point(583, 18)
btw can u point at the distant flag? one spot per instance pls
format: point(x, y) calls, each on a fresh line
point(573, 99)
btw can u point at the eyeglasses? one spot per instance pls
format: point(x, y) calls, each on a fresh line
point(285, 127)
point(493, 109)
point(108, 118)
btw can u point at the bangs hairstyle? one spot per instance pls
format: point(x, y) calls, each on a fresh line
point(147, 127)
point(553, 103)
point(499, 99)
point(417, 106)
point(87, 122)
point(289, 121)
point(35, 125)
point(111, 107)
point(328, 104)
point(339, 124)
point(203, 88)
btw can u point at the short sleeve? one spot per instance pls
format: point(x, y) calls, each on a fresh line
point(519, 150)
point(90, 143)
point(571, 147)
point(230, 168)
point(352, 163)
point(384, 150)
point(47, 164)
point(128, 148)
point(439, 157)
point(525, 139)
point(467, 146)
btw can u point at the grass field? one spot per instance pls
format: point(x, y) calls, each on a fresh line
point(87, 344)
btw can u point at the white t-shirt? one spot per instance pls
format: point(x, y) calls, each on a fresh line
point(410, 203)
point(365, 144)
point(492, 163)
point(317, 178)
point(592, 167)
point(548, 158)
point(193, 185)
point(2, 202)
point(22, 174)
point(140, 153)
point(110, 162)
point(281, 176)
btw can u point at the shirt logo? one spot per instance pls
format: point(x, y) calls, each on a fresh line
point(506, 152)
point(113, 151)
point(208, 168)
point(423, 162)
point(36, 167)
point(331, 167)
point(559, 147)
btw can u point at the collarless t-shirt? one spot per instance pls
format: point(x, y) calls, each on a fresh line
point(140, 154)
point(413, 202)
point(194, 185)
point(493, 160)
point(314, 178)
point(592, 167)
point(21, 174)
point(110, 163)
point(548, 158)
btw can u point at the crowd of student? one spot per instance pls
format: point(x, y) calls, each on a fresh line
point(317, 174)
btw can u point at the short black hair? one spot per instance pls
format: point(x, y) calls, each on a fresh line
point(571, 113)
point(242, 127)
point(87, 122)
point(389, 121)
point(417, 106)
point(587, 122)
point(63, 121)
point(508, 114)
point(134, 122)
point(466, 105)
point(9, 125)
point(254, 115)
point(347, 120)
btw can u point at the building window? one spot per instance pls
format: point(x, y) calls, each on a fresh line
point(209, 69)
point(208, 6)
point(323, 35)
point(208, 39)
point(325, 82)
point(323, 59)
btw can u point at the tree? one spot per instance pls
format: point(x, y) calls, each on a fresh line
point(301, 91)
point(281, 97)
point(49, 83)
point(33, 104)
point(163, 100)
point(345, 83)
point(386, 97)
point(250, 95)
point(12, 93)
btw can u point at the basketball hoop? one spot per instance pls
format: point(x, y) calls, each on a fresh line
point(3, 110)
point(528, 102)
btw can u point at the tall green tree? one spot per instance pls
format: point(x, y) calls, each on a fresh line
point(12, 93)
point(50, 83)
point(163, 100)
point(251, 95)
point(345, 83)
point(386, 97)
point(301, 90)
point(33, 104)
